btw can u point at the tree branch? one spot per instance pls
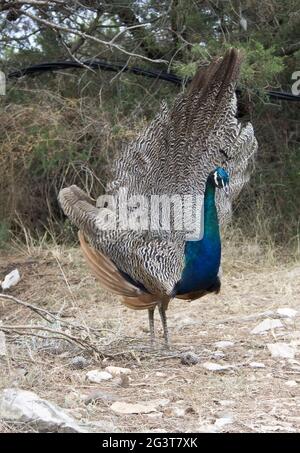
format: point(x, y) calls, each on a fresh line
point(86, 36)
point(89, 30)
point(147, 41)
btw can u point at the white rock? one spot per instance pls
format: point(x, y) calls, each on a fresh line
point(223, 421)
point(218, 355)
point(257, 365)
point(291, 383)
point(117, 371)
point(11, 279)
point(3, 350)
point(287, 312)
point(227, 402)
point(282, 350)
point(132, 408)
point(224, 344)
point(22, 406)
point(267, 324)
point(97, 376)
point(215, 366)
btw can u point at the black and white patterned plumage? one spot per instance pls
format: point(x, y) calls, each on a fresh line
point(173, 156)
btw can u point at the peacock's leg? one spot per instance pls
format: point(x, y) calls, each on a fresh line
point(151, 325)
point(163, 317)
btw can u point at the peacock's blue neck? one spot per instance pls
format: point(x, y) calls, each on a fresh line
point(202, 257)
point(211, 222)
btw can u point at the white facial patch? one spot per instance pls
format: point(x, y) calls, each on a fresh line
point(216, 178)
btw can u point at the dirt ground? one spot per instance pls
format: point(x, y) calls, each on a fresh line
point(240, 397)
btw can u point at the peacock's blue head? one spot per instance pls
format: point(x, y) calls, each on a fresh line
point(220, 179)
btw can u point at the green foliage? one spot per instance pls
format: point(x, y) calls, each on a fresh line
point(185, 70)
point(260, 66)
point(259, 70)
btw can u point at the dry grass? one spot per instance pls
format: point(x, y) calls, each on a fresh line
point(48, 142)
point(255, 280)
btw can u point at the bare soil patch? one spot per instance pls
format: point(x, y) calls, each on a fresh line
point(252, 398)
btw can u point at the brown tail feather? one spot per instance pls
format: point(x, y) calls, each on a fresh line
point(106, 271)
point(112, 280)
point(222, 70)
point(142, 302)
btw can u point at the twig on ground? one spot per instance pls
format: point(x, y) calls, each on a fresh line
point(39, 311)
point(58, 335)
point(53, 318)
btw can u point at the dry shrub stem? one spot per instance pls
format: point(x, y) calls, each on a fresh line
point(59, 334)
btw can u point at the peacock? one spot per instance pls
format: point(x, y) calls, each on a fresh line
point(187, 156)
